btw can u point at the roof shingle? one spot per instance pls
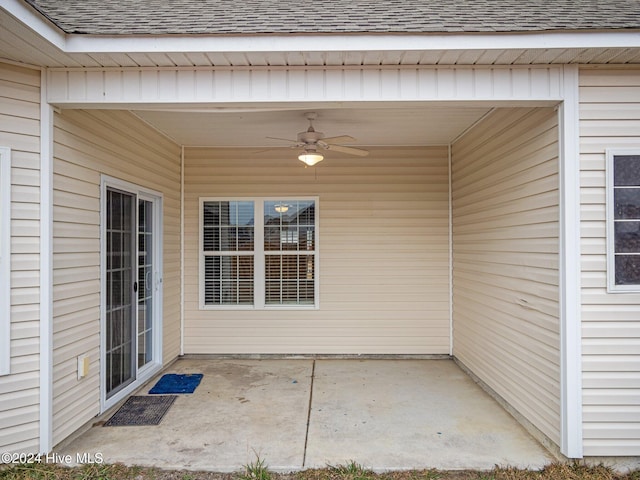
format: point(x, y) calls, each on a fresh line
point(242, 17)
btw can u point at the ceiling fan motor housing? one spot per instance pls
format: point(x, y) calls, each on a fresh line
point(310, 136)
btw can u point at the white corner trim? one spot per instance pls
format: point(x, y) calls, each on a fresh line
point(103, 293)
point(5, 261)
point(450, 166)
point(570, 306)
point(46, 270)
point(182, 242)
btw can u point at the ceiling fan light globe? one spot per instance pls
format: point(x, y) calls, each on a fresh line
point(310, 159)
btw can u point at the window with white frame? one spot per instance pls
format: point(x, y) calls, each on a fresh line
point(258, 253)
point(228, 244)
point(5, 260)
point(623, 220)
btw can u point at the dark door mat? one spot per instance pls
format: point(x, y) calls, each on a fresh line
point(177, 383)
point(141, 410)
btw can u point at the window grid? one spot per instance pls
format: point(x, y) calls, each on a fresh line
point(229, 279)
point(623, 236)
point(289, 279)
point(289, 252)
point(227, 245)
point(275, 268)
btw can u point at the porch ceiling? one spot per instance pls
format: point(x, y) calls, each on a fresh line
point(391, 126)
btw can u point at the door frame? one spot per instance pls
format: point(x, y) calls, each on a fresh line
point(145, 373)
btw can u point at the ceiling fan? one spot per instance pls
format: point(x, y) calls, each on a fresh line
point(312, 142)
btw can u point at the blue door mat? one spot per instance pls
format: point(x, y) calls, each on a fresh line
point(141, 410)
point(177, 383)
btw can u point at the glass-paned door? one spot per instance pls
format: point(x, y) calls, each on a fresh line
point(146, 282)
point(120, 283)
point(132, 317)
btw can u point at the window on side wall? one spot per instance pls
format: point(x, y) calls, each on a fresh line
point(5, 260)
point(258, 253)
point(623, 220)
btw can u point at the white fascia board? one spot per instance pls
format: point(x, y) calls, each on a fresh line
point(36, 22)
point(351, 43)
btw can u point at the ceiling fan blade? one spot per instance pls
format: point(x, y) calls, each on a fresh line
point(284, 140)
point(271, 149)
point(350, 150)
point(339, 139)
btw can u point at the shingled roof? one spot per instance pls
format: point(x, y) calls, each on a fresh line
point(246, 17)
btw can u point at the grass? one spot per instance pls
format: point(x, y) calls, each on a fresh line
point(36, 471)
point(258, 470)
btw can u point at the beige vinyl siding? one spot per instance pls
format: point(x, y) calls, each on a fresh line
point(20, 131)
point(505, 267)
point(383, 252)
point(87, 144)
point(609, 118)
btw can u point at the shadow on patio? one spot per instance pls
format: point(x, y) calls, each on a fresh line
point(304, 413)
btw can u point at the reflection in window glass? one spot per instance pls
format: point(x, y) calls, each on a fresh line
point(289, 244)
point(626, 219)
point(228, 227)
point(289, 280)
point(289, 225)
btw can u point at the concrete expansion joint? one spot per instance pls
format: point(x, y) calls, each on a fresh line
point(306, 435)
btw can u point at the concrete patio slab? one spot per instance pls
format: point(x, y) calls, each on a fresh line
point(399, 414)
point(242, 408)
point(303, 413)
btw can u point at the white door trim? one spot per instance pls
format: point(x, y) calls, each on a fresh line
point(146, 372)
